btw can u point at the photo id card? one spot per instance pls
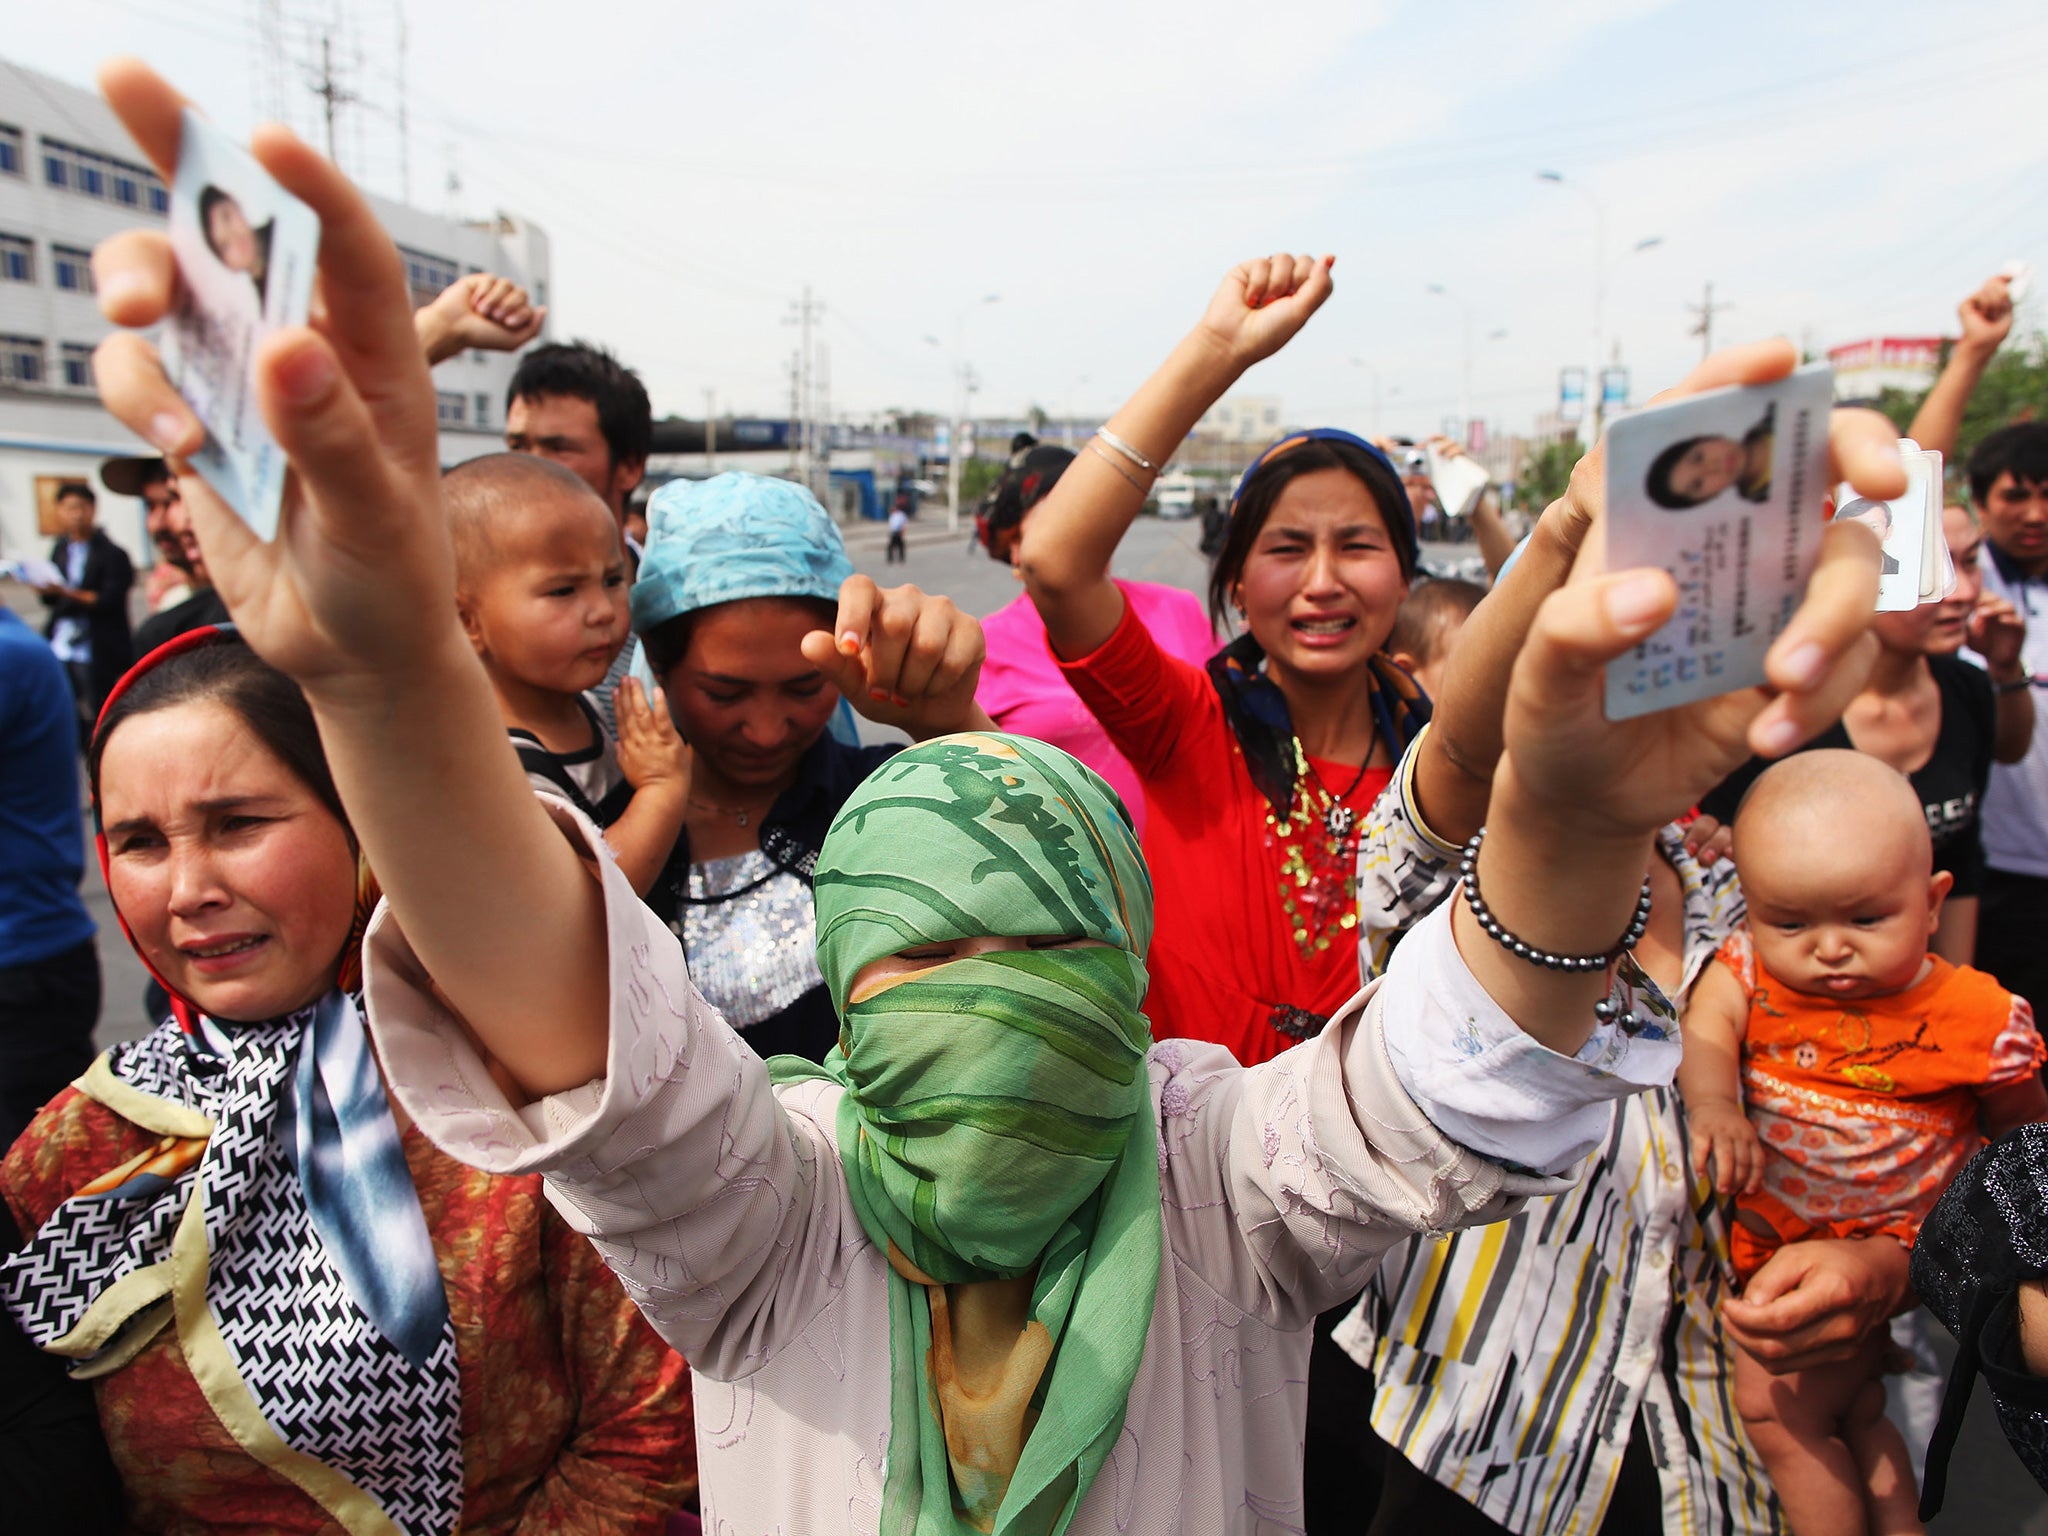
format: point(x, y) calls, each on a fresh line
point(1725, 491)
point(245, 249)
point(1908, 528)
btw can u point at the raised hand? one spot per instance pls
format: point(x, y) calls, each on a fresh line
point(481, 310)
point(355, 598)
point(360, 576)
point(903, 658)
point(1632, 776)
point(1987, 315)
point(1262, 303)
point(652, 752)
point(1998, 633)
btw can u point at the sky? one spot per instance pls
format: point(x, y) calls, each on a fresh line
point(1835, 171)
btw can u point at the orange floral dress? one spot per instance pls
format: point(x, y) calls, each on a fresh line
point(575, 1415)
point(1867, 1109)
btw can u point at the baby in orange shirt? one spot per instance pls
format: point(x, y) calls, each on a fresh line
point(1870, 1071)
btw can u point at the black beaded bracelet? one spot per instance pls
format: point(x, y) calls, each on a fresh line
point(1521, 949)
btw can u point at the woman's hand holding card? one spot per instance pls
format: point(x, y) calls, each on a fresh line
point(359, 582)
point(1635, 775)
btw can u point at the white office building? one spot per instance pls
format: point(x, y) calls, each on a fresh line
point(70, 177)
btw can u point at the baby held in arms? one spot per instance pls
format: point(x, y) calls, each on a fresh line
point(1836, 1072)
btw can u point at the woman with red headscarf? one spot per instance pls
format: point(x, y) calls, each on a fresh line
point(298, 1314)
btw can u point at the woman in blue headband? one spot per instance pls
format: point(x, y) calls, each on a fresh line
point(751, 618)
point(1260, 768)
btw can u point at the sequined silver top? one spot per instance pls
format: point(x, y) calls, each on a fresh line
point(751, 955)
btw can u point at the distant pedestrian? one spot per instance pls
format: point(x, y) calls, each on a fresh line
point(88, 626)
point(899, 519)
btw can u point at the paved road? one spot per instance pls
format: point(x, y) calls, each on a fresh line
point(1988, 1489)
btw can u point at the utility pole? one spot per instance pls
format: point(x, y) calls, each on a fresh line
point(1706, 309)
point(796, 373)
point(332, 93)
point(710, 431)
point(822, 410)
point(404, 114)
point(803, 387)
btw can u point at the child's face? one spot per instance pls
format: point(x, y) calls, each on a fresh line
point(1708, 468)
point(549, 612)
point(1840, 905)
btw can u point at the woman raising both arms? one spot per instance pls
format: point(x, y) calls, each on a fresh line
point(1258, 769)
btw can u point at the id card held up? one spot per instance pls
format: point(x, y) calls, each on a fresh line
point(246, 250)
point(1727, 491)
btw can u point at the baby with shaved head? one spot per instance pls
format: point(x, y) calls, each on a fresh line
point(1835, 1075)
point(540, 585)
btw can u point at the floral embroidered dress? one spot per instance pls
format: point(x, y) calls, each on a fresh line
point(570, 1415)
point(1868, 1109)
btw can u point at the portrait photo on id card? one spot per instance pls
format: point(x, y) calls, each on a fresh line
point(245, 249)
point(1723, 490)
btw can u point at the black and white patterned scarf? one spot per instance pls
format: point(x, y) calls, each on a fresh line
point(322, 1373)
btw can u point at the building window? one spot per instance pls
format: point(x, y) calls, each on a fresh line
point(73, 268)
point(92, 174)
point(451, 408)
point(10, 151)
point(17, 259)
point(21, 360)
point(427, 275)
point(76, 359)
point(483, 409)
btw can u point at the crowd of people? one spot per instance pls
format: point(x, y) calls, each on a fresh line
point(1280, 1063)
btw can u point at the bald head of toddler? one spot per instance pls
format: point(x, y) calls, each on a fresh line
point(540, 571)
point(1838, 870)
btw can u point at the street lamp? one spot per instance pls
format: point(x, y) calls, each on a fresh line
point(1465, 383)
point(1557, 178)
point(962, 388)
point(1651, 242)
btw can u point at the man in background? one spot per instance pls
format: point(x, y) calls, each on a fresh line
point(88, 626)
point(150, 480)
point(578, 405)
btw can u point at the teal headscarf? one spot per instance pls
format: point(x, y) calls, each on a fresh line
point(998, 1120)
point(730, 537)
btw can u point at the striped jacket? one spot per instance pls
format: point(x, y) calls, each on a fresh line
point(1512, 1360)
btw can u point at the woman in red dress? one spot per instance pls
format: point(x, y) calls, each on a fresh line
point(1259, 768)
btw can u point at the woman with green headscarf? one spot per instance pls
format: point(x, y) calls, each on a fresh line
point(997, 1267)
point(1001, 1264)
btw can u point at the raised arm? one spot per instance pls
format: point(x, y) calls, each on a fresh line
point(490, 313)
point(1490, 532)
point(1070, 536)
point(1455, 763)
point(1998, 633)
point(1987, 317)
point(355, 599)
point(1578, 798)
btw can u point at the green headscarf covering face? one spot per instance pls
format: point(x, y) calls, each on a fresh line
point(998, 1121)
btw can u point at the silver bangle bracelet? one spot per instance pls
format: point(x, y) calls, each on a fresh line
point(1127, 450)
point(1130, 479)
